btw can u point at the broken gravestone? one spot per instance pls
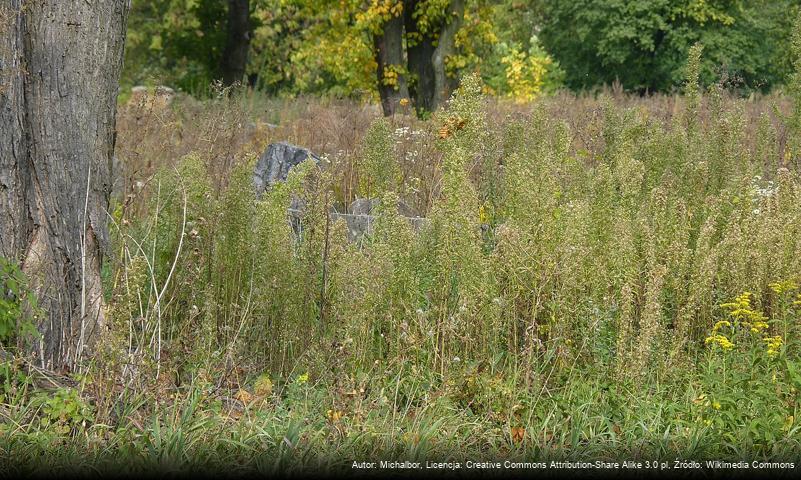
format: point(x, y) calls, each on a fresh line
point(273, 167)
point(361, 217)
point(274, 164)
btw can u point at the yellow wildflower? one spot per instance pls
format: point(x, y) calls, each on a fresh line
point(334, 415)
point(782, 287)
point(482, 214)
point(742, 312)
point(720, 324)
point(758, 326)
point(721, 340)
point(743, 301)
point(773, 344)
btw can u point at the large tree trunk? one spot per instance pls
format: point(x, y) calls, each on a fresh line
point(419, 50)
point(443, 84)
point(237, 42)
point(60, 63)
point(391, 72)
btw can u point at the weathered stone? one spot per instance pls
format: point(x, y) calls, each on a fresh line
point(405, 210)
point(361, 218)
point(274, 164)
point(363, 206)
point(358, 225)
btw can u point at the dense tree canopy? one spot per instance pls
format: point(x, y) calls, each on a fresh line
point(644, 43)
point(329, 47)
point(390, 48)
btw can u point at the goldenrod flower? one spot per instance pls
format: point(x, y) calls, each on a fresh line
point(773, 344)
point(782, 287)
point(720, 324)
point(742, 312)
point(721, 340)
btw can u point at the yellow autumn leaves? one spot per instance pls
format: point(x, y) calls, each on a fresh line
point(525, 74)
point(378, 12)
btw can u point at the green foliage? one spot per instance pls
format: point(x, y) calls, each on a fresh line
point(749, 366)
point(65, 408)
point(18, 306)
point(379, 169)
point(643, 43)
point(278, 33)
point(576, 289)
point(175, 42)
point(521, 48)
point(325, 47)
point(513, 61)
point(794, 89)
point(534, 250)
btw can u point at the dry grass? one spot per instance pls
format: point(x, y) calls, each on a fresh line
point(228, 130)
point(556, 305)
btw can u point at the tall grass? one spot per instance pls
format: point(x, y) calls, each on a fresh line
point(567, 282)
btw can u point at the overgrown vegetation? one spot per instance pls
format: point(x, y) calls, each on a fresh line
point(612, 278)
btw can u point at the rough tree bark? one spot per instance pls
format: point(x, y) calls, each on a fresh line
point(446, 45)
point(419, 51)
point(60, 63)
point(389, 56)
point(237, 42)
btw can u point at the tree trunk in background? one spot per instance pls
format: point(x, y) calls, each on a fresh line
point(60, 63)
point(419, 50)
point(389, 56)
point(237, 43)
point(444, 85)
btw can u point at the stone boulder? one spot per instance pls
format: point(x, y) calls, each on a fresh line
point(274, 164)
